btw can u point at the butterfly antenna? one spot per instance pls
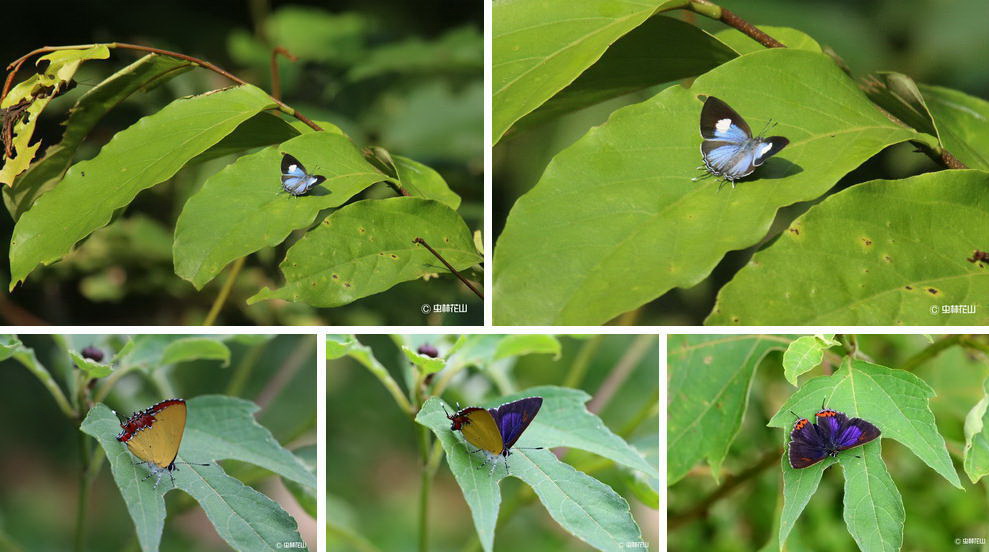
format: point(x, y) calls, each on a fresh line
point(702, 177)
point(795, 414)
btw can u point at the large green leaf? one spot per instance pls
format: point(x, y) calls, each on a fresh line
point(149, 152)
point(582, 505)
point(422, 181)
point(217, 428)
point(142, 75)
point(538, 48)
point(243, 208)
point(961, 122)
point(977, 438)
point(710, 377)
point(877, 253)
point(367, 247)
point(33, 94)
point(895, 401)
point(652, 53)
point(616, 221)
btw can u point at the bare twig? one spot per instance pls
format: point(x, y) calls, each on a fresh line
point(448, 266)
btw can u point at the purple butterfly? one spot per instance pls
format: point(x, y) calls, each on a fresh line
point(833, 433)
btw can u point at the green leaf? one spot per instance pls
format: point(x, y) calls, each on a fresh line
point(195, 348)
point(338, 346)
point(895, 401)
point(873, 508)
point(422, 181)
point(38, 90)
point(366, 248)
point(621, 197)
point(876, 253)
point(263, 129)
point(710, 376)
point(650, 54)
point(217, 428)
point(147, 153)
point(976, 452)
point(461, 49)
point(151, 351)
point(142, 75)
point(805, 354)
point(304, 494)
point(242, 208)
point(798, 488)
point(961, 120)
point(898, 94)
point(520, 345)
point(92, 368)
point(538, 48)
point(582, 505)
point(427, 365)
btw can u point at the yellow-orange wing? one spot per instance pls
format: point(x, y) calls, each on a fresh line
point(158, 440)
point(481, 430)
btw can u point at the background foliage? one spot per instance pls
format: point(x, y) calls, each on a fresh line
point(50, 468)
point(600, 172)
point(733, 488)
point(386, 73)
point(376, 469)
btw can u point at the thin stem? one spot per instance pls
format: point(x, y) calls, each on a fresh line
point(623, 368)
point(580, 365)
point(973, 342)
point(84, 487)
point(730, 484)
point(929, 352)
point(448, 266)
point(228, 285)
point(708, 9)
point(425, 485)
point(276, 81)
point(16, 65)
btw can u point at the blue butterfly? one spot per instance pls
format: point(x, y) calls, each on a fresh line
point(729, 151)
point(295, 180)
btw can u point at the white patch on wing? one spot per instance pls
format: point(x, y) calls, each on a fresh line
point(765, 148)
point(292, 168)
point(723, 125)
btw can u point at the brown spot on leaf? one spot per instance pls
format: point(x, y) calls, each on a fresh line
point(346, 284)
point(793, 230)
point(867, 241)
point(887, 258)
point(908, 288)
point(933, 291)
point(979, 256)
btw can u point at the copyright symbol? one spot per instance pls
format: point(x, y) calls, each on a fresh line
point(958, 541)
point(934, 309)
point(426, 308)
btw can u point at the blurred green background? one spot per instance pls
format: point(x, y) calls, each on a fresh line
point(40, 449)
point(940, 42)
point(406, 76)
point(936, 512)
point(373, 468)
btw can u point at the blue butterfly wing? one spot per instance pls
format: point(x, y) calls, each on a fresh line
point(295, 180)
point(733, 133)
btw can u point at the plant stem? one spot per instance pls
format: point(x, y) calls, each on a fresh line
point(623, 368)
point(84, 487)
point(16, 65)
point(708, 9)
point(730, 484)
point(425, 485)
point(930, 352)
point(276, 81)
point(579, 367)
point(228, 285)
point(448, 266)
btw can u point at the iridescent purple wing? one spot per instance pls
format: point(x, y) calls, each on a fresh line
point(842, 432)
point(807, 446)
point(512, 418)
